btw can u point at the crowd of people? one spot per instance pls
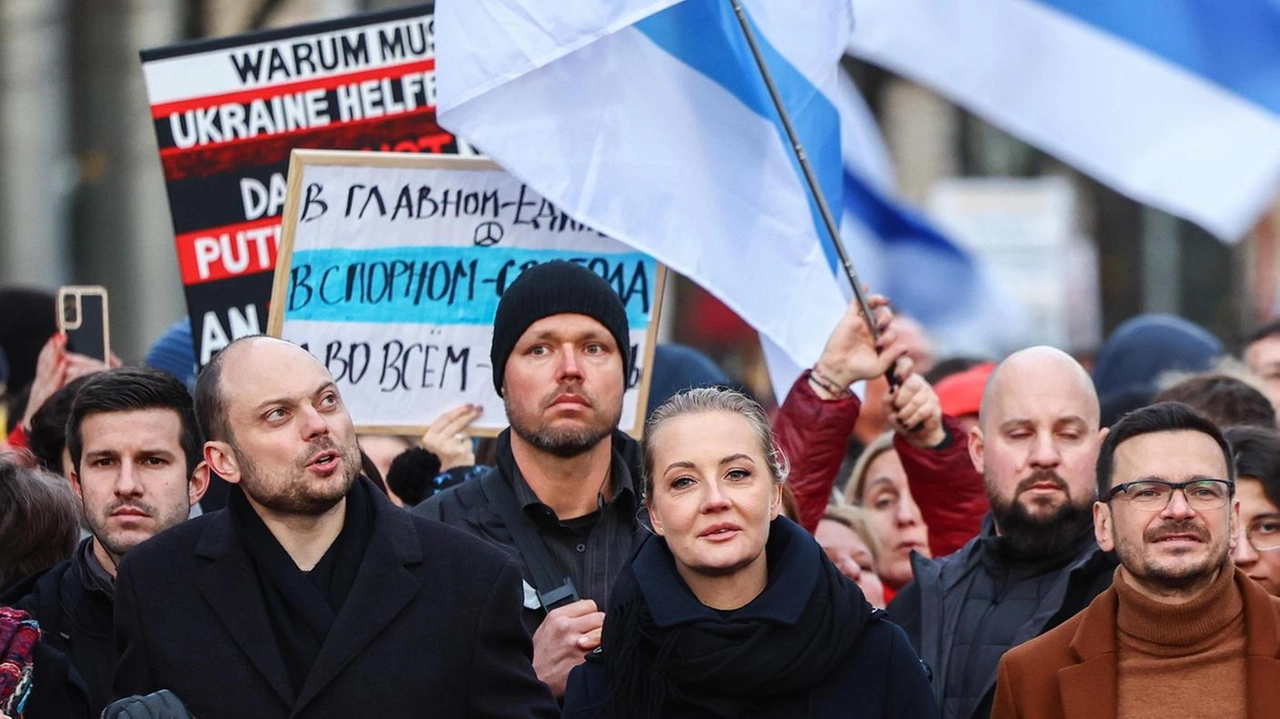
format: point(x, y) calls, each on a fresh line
point(973, 538)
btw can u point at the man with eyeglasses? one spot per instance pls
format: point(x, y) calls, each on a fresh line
point(1257, 455)
point(1181, 632)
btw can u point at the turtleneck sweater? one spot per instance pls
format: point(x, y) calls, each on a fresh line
point(1181, 659)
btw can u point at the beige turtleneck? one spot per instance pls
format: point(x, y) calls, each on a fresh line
point(1184, 660)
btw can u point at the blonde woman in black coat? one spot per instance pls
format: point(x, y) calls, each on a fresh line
point(730, 610)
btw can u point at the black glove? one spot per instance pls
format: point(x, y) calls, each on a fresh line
point(163, 704)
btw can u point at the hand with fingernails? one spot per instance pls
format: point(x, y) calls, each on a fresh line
point(55, 368)
point(916, 412)
point(563, 641)
point(852, 354)
point(447, 439)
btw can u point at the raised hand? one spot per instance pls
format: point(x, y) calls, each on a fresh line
point(446, 437)
point(851, 354)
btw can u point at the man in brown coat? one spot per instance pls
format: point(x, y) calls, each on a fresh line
point(1181, 632)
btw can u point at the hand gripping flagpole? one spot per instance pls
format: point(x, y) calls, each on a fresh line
point(815, 191)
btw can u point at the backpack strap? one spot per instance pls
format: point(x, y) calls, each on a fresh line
point(555, 588)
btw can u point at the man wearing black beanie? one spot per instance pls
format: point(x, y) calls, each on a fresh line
point(565, 493)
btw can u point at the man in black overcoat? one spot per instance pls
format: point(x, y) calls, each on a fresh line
point(311, 595)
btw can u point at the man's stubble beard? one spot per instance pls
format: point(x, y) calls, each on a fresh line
point(293, 499)
point(1173, 579)
point(97, 523)
point(563, 443)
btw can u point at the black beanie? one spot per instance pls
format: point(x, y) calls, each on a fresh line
point(556, 288)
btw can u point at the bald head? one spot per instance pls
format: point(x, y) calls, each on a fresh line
point(1036, 444)
point(278, 428)
point(211, 404)
point(1039, 372)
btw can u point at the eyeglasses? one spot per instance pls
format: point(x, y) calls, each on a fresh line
point(1152, 495)
point(1264, 535)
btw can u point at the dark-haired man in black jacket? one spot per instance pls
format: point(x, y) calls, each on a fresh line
point(135, 449)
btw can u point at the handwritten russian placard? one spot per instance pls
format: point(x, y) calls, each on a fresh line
point(391, 268)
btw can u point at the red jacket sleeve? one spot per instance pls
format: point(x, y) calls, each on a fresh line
point(813, 433)
point(947, 488)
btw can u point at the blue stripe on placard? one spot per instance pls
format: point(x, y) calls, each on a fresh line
point(443, 285)
point(705, 35)
point(1234, 44)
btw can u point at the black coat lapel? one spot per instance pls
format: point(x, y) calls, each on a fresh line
point(230, 586)
point(383, 587)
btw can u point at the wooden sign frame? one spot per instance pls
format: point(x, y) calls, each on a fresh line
point(301, 160)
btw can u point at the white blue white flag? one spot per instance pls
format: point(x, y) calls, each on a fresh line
point(1176, 103)
point(898, 252)
point(650, 122)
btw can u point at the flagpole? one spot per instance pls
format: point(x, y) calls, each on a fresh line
point(815, 191)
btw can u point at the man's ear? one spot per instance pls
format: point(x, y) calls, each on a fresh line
point(976, 447)
point(198, 483)
point(1102, 526)
point(221, 459)
point(74, 478)
point(1235, 523)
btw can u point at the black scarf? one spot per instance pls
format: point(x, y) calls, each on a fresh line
point(94, 576)
point(666, 653)
point(302, 606)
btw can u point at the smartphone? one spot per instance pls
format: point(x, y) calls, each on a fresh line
point(82, 316)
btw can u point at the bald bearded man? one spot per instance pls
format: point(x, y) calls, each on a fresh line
point(1036, 562)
